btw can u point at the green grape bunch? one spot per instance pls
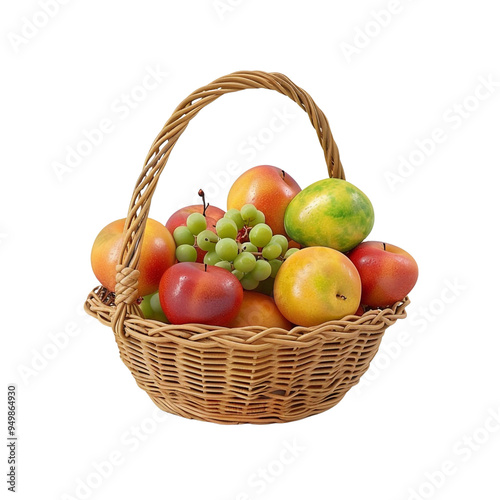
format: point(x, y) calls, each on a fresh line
point(242, 243)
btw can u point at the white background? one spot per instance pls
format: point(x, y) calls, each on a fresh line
point(432, 394)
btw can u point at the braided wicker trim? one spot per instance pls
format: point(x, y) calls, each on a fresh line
point(101, 305)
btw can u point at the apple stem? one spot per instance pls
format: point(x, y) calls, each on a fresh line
point(201, 193)
point(343, 297)
point(283, 173)
point(206, 267)
point(384, 245)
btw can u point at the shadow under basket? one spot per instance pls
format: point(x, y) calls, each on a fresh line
point(234, 375)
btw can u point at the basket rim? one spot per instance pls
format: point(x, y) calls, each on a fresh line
point(347, 328)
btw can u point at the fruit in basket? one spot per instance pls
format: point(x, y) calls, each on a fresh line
point(186, 253)
point(241, 243)
point(179, 220)
point(151, 308)
point(361, 309)
point(332, 213)
point(388, 273)
point(259, 310)
point(266, 287)
point(157, 255)
point(269, 188)
point(315, 285)
point(191, 292)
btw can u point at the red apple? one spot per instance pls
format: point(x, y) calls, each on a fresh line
point(360, 311)
point(212, 214)
point(269, 188)
point(387, 272)
point(191, 292)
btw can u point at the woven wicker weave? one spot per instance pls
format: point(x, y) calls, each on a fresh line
point(238, 375)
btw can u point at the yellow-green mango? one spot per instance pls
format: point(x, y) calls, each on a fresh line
point(331, 213)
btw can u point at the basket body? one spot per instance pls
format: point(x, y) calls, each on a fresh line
point(250, 375)
point(233, 375)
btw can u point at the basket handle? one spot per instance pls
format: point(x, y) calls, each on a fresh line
point(127, 273)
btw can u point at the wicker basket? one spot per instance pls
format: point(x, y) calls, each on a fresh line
point(234, 375)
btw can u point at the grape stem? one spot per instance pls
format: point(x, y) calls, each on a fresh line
point(243, 234)
point(259, 254)
point(201, 193)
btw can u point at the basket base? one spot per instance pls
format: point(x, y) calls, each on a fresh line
point(255, 412)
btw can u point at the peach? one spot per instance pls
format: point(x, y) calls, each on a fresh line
point(157, 255)
point(269, 188)
point(258, 309)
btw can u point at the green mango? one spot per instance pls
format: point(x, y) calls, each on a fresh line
point(331, 213)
